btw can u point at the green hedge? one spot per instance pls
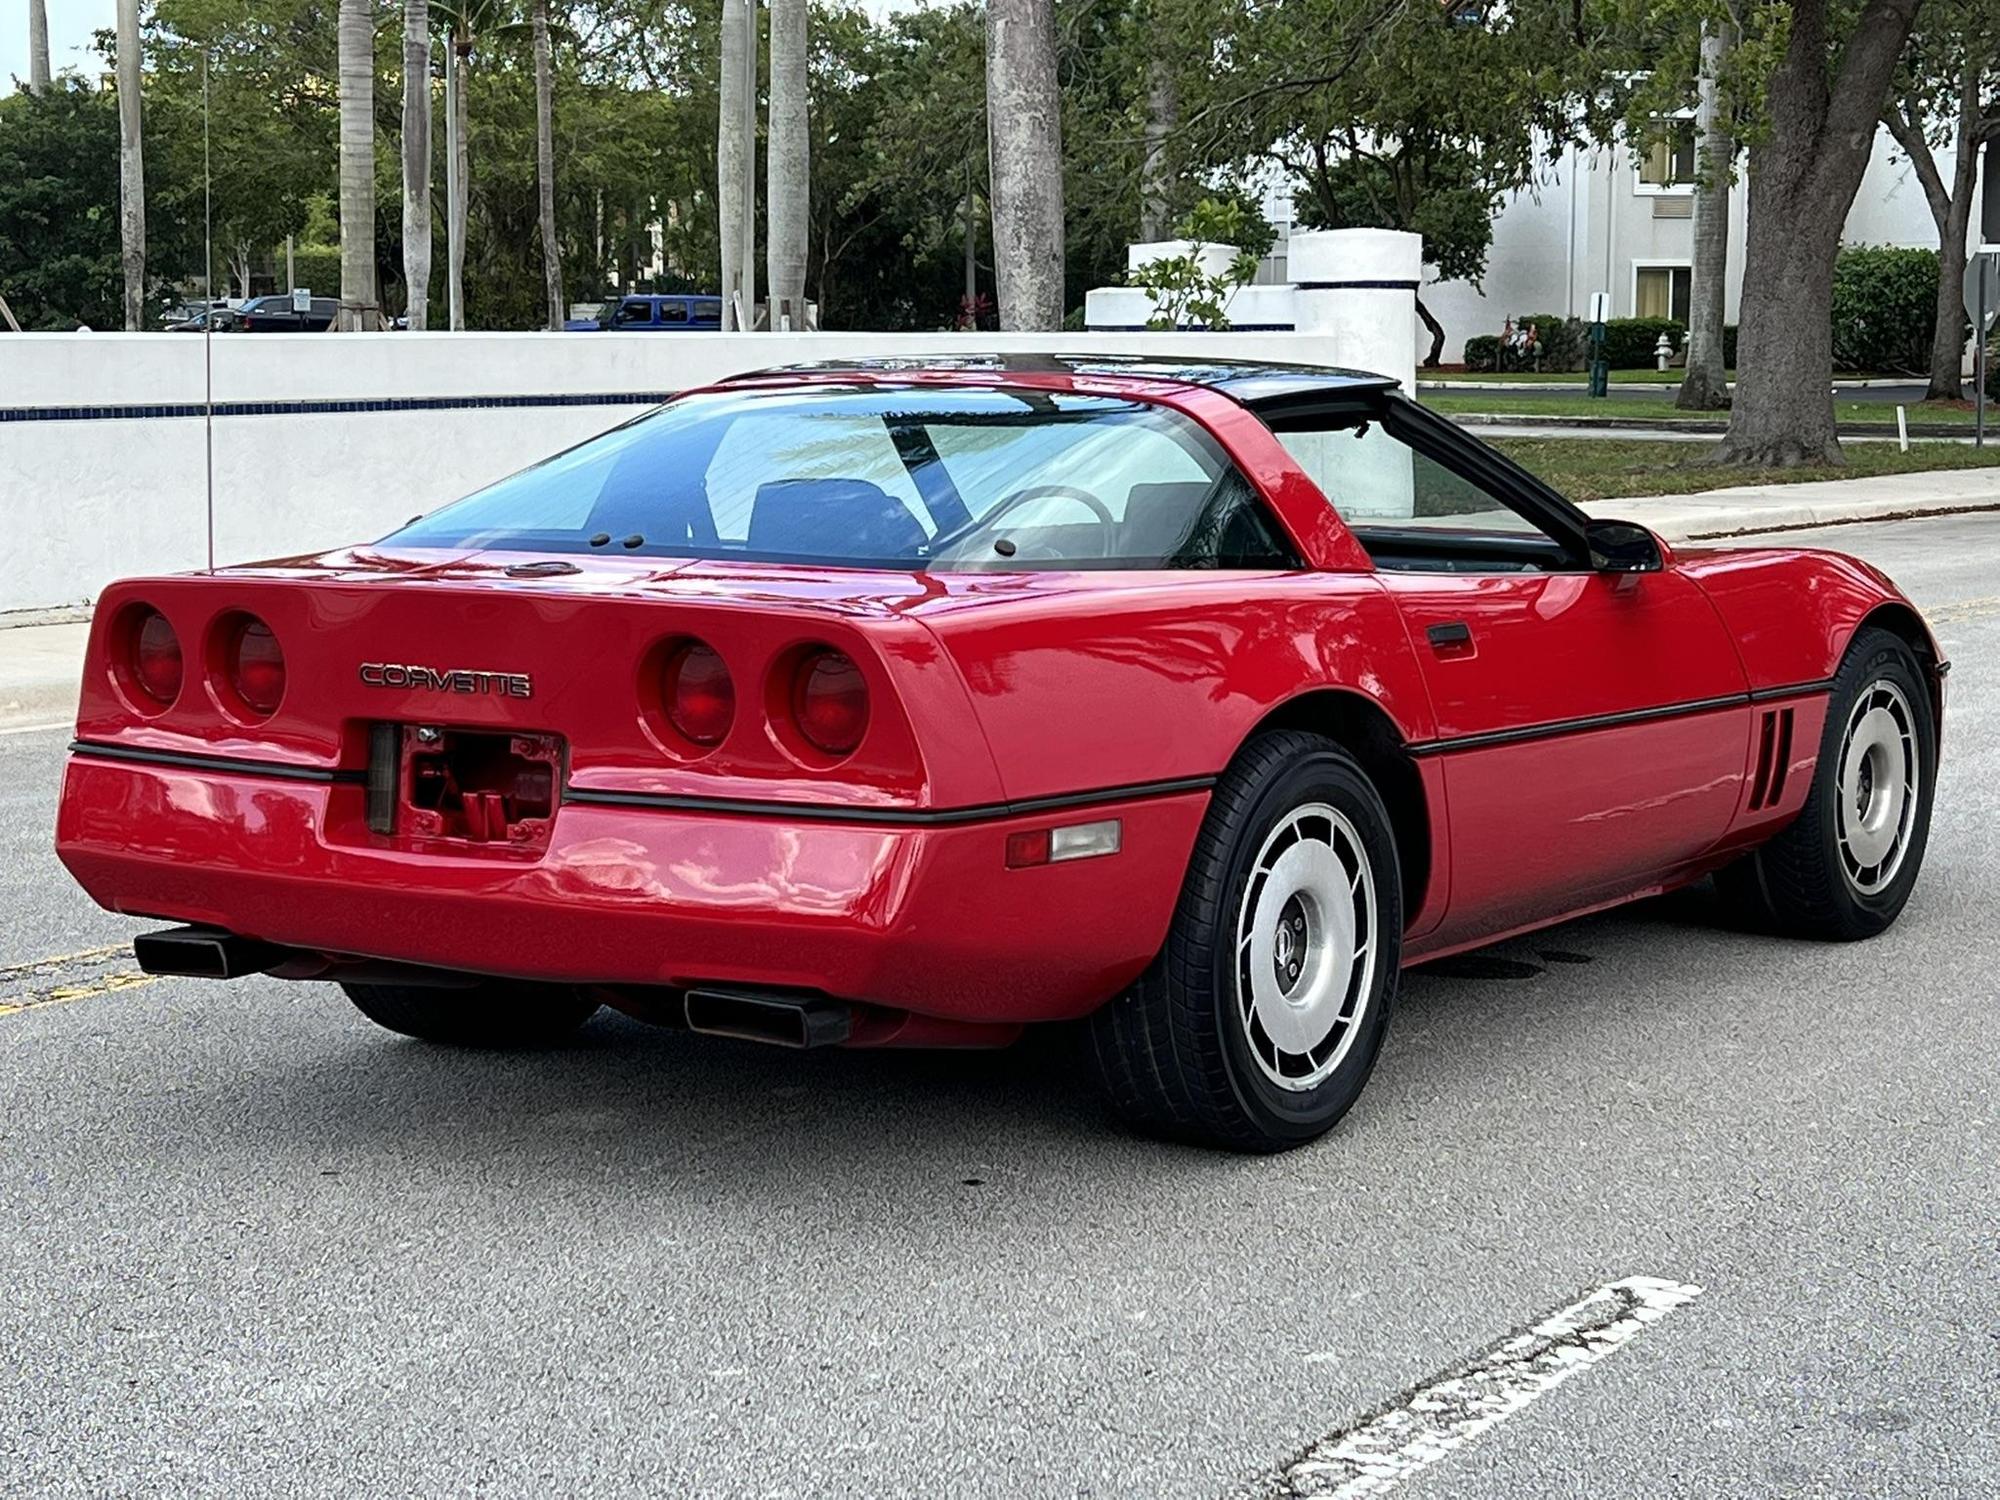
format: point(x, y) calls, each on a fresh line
point(1884, 308)
point(318, 268)
point(1630, 343)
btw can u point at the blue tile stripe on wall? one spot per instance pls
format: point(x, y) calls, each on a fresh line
point(155, 410)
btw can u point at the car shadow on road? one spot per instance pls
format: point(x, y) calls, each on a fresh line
point(675, 1104)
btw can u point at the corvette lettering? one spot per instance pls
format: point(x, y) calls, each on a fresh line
point(385, 674)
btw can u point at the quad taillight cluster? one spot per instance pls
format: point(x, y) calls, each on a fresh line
point(816, 701)
point(246, 666)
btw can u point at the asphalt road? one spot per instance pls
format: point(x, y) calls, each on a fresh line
point(249, 1245)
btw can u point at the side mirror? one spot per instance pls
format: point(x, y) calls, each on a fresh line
point(1621, 547)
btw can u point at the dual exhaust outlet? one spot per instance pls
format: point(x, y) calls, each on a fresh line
point(781, 1020)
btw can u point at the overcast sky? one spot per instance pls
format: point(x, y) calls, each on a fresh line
point(71, 23)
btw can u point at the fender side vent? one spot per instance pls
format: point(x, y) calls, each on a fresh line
point(1774, 751)
point(1782, 761)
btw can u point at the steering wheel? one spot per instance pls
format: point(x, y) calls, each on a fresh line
point(1099, 511)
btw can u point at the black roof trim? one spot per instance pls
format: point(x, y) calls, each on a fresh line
point(1253, 382)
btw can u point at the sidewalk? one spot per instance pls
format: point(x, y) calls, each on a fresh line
point(39, 664)
point(1819, 502)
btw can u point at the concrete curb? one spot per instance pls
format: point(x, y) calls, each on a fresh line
point(57, 614)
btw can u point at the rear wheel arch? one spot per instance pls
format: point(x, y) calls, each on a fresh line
point(1361, 727)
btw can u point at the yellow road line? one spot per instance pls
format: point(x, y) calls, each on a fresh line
point(1965, 609)
point(108, 984)
point(33, 966)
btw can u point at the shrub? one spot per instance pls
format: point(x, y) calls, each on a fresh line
point(1630, 343)
point(318, 267)
point(1482, 352)
point(1183, 294)
point(1565, 342)
point(1884, 308)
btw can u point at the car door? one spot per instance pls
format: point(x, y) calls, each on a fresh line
point(1592, 727)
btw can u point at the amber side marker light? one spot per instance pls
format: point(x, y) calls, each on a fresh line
point(1053, 846)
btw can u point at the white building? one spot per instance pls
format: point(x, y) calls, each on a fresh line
point(1606, 219)
point(1602, 218)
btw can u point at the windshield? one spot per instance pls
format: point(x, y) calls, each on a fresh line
point(923, 480)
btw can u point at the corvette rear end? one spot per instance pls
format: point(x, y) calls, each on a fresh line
point(709, 783)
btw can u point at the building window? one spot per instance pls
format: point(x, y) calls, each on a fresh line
point(1662, 292)
point(1668, 164)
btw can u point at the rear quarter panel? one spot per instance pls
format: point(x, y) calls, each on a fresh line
point(1152, 677)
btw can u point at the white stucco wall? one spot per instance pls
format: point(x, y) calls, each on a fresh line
point(84, 501)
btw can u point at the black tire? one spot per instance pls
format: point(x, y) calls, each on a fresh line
point(492, 1013)
point(1175, 1053)
point(1800, 883)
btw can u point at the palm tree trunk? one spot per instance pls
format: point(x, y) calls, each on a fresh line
point(788, 194)
point(1024, 141)
point(458, 171)
point(38, 47)
point(358, 308)
point(545, 164)
point(1156, 178)
point(731, 170)
point(1705, 387)
point(131, 168)
point(417, 160)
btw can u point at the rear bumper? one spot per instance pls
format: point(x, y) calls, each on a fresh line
point(922, 918)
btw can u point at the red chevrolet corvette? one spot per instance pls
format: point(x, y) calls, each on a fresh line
point(909, 704)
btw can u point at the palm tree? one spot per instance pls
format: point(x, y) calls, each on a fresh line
point(1024, 141)
point(545, 164)
point(736, 162)
point(131, 167)
point(38, 47)
point(417, 159)
point(789, 189)
point(357, 166)
point(465, 21)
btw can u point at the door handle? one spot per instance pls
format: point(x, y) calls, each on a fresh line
point(1451, 635)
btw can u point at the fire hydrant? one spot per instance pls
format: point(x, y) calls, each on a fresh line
point(1664, 350)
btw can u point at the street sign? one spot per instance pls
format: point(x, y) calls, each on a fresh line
point(302, 299)
point(1982, 289)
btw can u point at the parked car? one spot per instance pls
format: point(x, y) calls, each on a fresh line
point(649, 313)
point(908, 704)
point(219, 318)
point(275, 314)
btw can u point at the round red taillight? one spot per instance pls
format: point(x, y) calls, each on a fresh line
point(700, 699)
point(830, 702)
point(156, 657)
point(256, 666)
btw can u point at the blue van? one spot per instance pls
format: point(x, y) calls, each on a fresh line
point(664, 312)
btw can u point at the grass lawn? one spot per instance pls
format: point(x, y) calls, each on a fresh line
point(1607, 468)
point(1564, 404)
